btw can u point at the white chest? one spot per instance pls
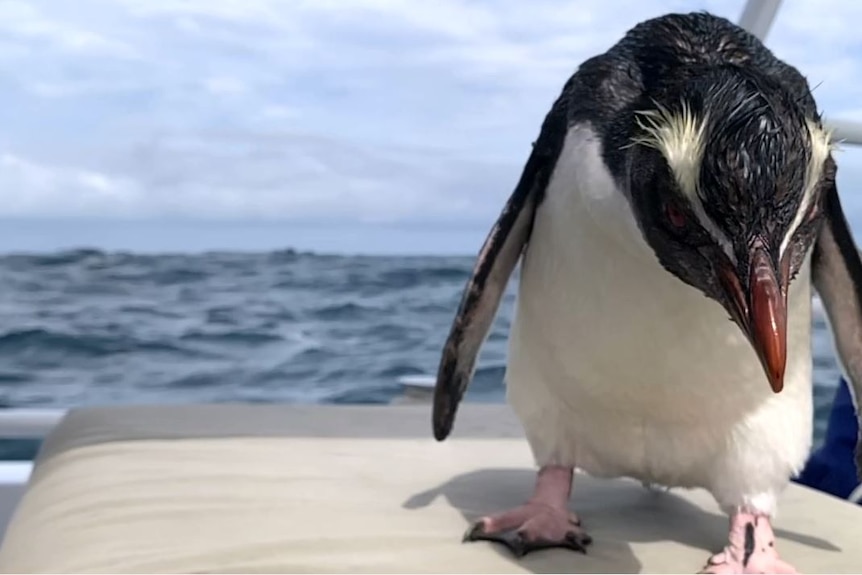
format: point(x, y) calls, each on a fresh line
point(605, 331)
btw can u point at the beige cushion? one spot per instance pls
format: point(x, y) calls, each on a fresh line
point(375, 504)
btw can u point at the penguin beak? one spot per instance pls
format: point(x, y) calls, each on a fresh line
point(768, 313)
point(761, 312)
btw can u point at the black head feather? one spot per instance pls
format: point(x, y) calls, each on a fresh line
point(751, 175)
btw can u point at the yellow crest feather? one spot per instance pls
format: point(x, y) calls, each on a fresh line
point(679, 137)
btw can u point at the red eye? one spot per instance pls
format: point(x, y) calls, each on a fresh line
point(675, 216)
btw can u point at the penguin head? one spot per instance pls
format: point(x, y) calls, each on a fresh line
point(726, 174)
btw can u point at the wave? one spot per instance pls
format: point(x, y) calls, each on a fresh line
point(232, 337)
point(343, 311)
point(61, 258)
point(32, 341)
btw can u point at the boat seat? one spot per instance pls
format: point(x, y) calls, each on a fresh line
point(350, 489)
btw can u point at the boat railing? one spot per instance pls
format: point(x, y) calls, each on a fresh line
point(23, 423)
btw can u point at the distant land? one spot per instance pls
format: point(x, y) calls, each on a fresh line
point(197, 236)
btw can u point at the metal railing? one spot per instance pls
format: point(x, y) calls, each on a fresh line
point(28, 423)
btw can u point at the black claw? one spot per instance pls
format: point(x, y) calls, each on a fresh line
point(474, 532)
point(580, 545)
point(511, 539)
point(520, 545)
point(579, 541)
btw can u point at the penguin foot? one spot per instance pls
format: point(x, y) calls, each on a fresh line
point(543, 522)
point(531, 527)
point(751, 548)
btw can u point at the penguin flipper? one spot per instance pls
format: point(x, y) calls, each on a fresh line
point(479, 304)
point(494, 266)
point(837, 277)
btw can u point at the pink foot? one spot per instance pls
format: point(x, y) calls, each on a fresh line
point(541, 523)
point(751, 548)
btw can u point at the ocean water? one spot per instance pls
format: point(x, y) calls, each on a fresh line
point(88, 327)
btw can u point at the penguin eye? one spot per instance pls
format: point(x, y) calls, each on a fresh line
point(675, 216)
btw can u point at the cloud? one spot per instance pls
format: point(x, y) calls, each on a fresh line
point(57, 190)
point(313, 110)
point(279, 177)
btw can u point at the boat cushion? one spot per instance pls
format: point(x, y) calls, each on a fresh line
point(254, 489)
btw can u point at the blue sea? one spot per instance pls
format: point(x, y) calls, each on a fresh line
point(88, 327)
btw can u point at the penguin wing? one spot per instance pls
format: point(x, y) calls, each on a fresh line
point(837, 277)
point(496, 260)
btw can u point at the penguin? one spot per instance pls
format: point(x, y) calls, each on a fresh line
point(672, 222)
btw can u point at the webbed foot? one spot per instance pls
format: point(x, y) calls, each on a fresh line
point(544, 522)
point(751, 548)
point(531, 527)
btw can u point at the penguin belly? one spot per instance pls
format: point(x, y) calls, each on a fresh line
point(618, 368)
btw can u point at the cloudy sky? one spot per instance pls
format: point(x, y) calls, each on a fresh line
point(339, 125)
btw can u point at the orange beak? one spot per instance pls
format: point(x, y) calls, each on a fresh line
point(768, 318)
point(762, 315)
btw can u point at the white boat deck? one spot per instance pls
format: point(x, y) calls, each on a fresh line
point(269, 488)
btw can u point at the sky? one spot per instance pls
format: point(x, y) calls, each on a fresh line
point(353, 126)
